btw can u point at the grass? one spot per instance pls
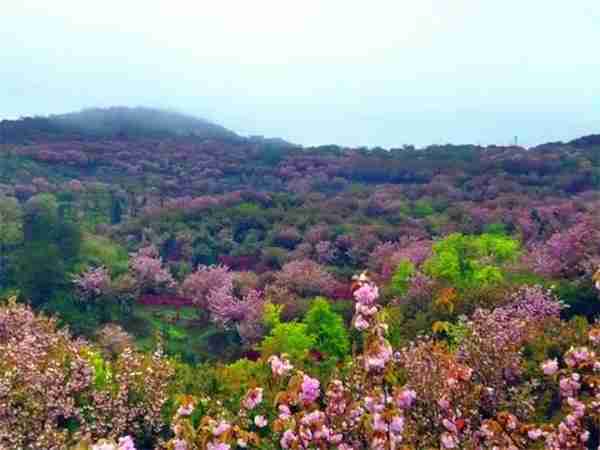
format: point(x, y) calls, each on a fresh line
point(182, 332)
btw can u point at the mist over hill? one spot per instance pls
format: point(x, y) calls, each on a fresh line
point(113, 122)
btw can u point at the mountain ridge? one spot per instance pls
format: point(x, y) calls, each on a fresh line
point(112, 122)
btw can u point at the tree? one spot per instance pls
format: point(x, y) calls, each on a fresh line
point(401, 278)
point(11, 230)
point(467, 261)
point(116, 210)
point(51, 248)
point(331, 336)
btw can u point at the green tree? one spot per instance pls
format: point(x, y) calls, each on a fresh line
point(11, 225)
point(11, 232)
point(331, 336)
point(116, 210)
point(466, 261)
point(401, 278)
point(50, 250)
point(291, 338)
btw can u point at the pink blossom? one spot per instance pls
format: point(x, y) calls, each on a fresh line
point(449, 441)
point(280, 366)
point(179, 444)
point(104, 446)
point(406, 398)
point(185, 410)
point(310, 389)
point(253, 398)
point(288, 439)
point(397, 425)
point(126, 443)
point(222, 427)
point(148, 271)
point(260, 421)
point(379, 423)
point(360, 323)
point(534, 434)
point(218, 446)
point(284, 412)
point(367, 294)
point(92, 283)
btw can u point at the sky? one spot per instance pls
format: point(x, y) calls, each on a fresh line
point(348, 72)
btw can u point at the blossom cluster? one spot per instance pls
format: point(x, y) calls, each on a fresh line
point(93, 283)
point(50, 381)
point(213, 289)
point(148, 271)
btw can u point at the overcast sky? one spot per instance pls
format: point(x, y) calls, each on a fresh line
point(316, 71)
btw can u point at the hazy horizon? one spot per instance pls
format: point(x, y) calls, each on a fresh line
point(350, 73)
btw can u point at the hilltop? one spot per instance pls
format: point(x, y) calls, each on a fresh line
point(114, 122)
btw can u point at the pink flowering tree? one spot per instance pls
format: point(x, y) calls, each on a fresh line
point(306, 278)
point(213, 290)
point(56, 389)
point(147, 269)
point(93, 284)
point(203, 281)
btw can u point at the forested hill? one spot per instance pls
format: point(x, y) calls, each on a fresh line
point(115, 122)
point(216, 280)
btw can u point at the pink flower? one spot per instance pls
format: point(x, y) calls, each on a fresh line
point(223, 427)
point(594, 333)
point(126, 443)
point(367, 294)
point(444, 403)
point(253, 398)
point(449, 425)
point(260, 421)
point(378, 355)
point(310, 389)
point(583, 437)
point(104, 446)
point(406, 398)
point(360, 323)
point(218, 446)
point(288, 439)
point(284, 412)
point(449, 440)
point(550, 367)
point(379, 423)
point(179, 444)
point(280, 366)
point(534, 433)
point(397, 425)
point(186, 410)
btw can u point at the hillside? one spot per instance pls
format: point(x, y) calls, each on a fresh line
point(211, 291)
point(115, 122)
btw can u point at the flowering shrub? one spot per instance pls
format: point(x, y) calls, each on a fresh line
point(213, 288)
point(54, 389)
point(568, 253)
point(93, 283)
point(480, 392)
point(204, 280)
point(146, 268)
point(305, 278)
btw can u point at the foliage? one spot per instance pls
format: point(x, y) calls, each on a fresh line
point(328, 329)
point(400, 280)
point(291, 338)
point(51, 247)
point(467, 261)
